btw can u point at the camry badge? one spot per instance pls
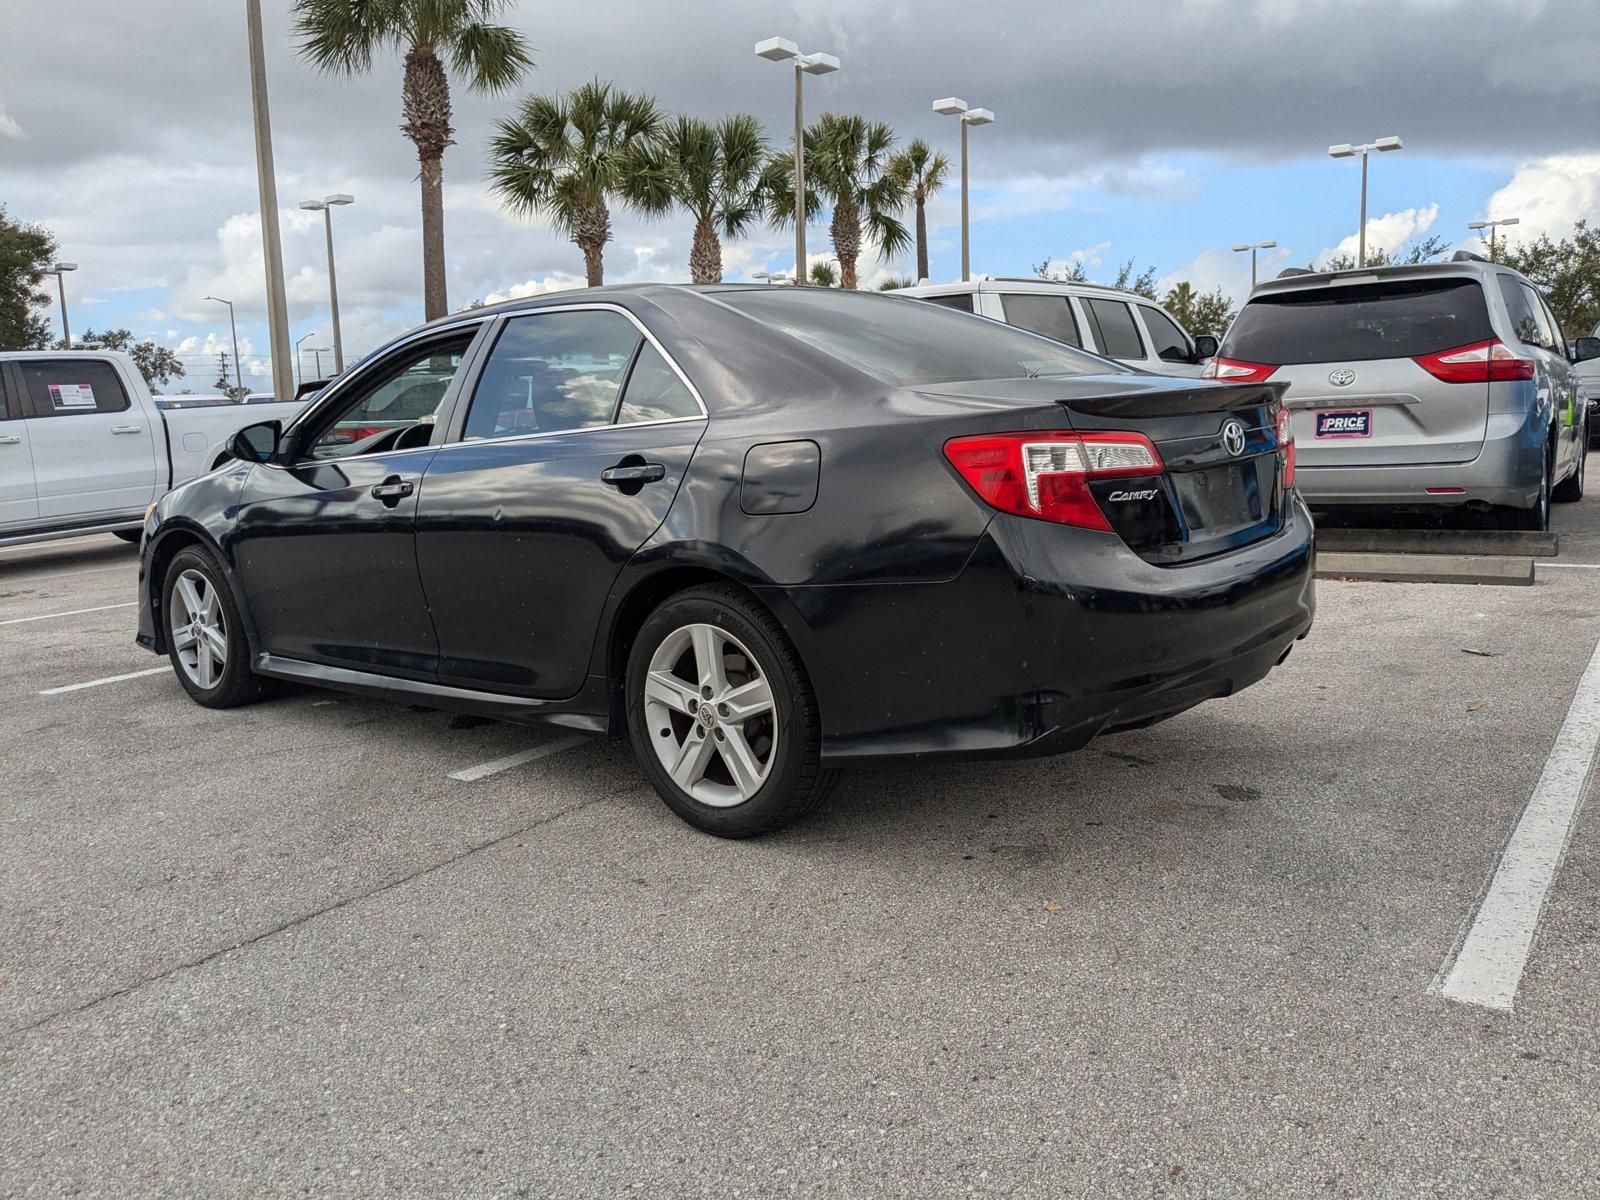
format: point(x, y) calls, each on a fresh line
point(1233, 437)
point(1343, 377)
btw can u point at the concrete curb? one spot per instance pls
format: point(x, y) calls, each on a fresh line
point(1439, 541)
point(1427, 568)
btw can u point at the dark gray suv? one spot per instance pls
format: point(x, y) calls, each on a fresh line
point(1419, 387)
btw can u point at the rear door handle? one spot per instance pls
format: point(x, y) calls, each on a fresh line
point(392, 491)
point(11, 439)
point(127, 429)
point(640, 473)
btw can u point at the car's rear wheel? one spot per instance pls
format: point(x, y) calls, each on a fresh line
point(1538, 517)
point(722, 714)
point(1571, 488)
point(205, 633)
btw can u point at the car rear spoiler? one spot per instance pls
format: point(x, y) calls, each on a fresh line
point(1139, 401)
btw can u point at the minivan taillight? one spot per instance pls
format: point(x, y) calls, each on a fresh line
point(1481, 362)
point(1286, 444)
point(1236, 370)
point(1046, 474)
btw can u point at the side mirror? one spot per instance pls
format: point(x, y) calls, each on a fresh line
point(1586, 348)
point(256, 443)
point(1205, 346)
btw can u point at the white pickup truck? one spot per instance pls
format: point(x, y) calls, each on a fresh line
point(85, 447)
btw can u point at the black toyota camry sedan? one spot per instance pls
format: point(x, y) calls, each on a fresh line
point(763, 532)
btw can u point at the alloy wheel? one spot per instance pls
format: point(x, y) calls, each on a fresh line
point(710, 713)
point(199, 629)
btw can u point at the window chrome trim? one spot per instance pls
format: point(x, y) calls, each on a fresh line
point(532, 437)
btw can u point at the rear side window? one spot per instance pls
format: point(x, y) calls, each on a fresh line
point(1114, 329)
point(72, 387)
point(1403, 319)
point(1170, 343)
point(961, 301)
point(1527, 322)
point(654, 392)
point(1050, 316)
point(907, 345)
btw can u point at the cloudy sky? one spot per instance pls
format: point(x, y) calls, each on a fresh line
point(1162, 130)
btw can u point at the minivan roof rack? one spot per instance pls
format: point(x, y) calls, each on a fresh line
point(1083, 283)
point(1292, 272)
point(1467, 256)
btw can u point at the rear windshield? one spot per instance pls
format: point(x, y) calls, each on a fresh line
point(1376, 320)
point(908, 344)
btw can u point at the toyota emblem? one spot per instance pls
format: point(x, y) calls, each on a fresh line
point(1233, 437)
point(1343, 377)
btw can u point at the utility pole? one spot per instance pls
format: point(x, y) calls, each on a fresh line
point(271, 241)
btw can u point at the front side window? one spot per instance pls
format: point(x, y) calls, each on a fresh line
point(906, 345)
point(72, 387)
point(1048, 316)
point(1114, 329)
point(550, 372)
point(394, 408)
point(1360, 322)
point(1170, 343)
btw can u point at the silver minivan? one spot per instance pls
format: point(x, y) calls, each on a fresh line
point(1419, 387)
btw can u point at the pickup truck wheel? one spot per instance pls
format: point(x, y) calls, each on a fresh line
point(128, 535)
point(205, 633)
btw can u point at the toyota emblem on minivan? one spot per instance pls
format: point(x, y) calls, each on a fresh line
point(1343, 377)
point(1233, 437)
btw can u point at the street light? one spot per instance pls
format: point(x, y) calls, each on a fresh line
point(238, 378)
point(326, 205)
point(1346, 150)
point(770, 278)
point(1491, 226)
point(59, 270)
point(318, 351)
point(950, 106)
point(1253, 247)
point(299, 368)
point(783, 50)
point(267, 186)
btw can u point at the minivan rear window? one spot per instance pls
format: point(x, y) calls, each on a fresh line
point(1402, 319)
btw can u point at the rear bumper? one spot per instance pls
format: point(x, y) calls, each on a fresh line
point(1505, 472)
point(1047, 638)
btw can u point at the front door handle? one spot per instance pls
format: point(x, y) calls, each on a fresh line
point(11, 439)
point(392, 490)
point(126, 429)
point(633, 473)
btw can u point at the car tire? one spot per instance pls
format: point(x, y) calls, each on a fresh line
point(128, 535)
point(697, 658)
point(1570, 489)
point(205, 633)
point(1536, 518)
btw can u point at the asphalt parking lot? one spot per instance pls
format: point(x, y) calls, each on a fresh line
point(331, 946)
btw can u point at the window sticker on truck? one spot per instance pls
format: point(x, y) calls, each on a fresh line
point(71, 395)
point(1345, 423)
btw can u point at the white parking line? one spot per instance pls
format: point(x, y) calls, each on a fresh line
point(78, 687)
point(1550, 566)
point(69, 613)
point(1489, 965)
point(495, 766)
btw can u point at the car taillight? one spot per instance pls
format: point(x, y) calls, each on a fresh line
point(1481, 362)
point(1236, 371)
point(1286, 444)
point(1046, 474)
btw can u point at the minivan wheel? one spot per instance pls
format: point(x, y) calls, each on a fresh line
point(1571, 488)
point(722, 715)
point(205, 633)
point(1538, 517)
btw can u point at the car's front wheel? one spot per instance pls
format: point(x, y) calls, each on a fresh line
point(722, 714)
point(205, 633)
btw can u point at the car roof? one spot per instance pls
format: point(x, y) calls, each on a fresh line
point(1013, 283)
point(1471, 267)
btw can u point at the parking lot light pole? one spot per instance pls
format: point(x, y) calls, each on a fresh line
point(317, 350)
point(951, 106)
point(1253, 247)
point(267, 184)
point(783, 50)
point(326, 205)
point(1346, 150)
point(1491, 226)
point(299, 365)
point(238, 378)
point(770, 278)
point(59, 270)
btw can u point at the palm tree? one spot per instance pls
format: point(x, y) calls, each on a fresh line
point(713, 171)
point(341, 37)
point(923, 173)
point(571, 157)
point(847, 165)
point(823, 275)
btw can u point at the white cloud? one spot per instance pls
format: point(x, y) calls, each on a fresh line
point(1388, 232)
point(8, 125)
point(1223, 267)
point(559, 282)
point(1549, 196)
